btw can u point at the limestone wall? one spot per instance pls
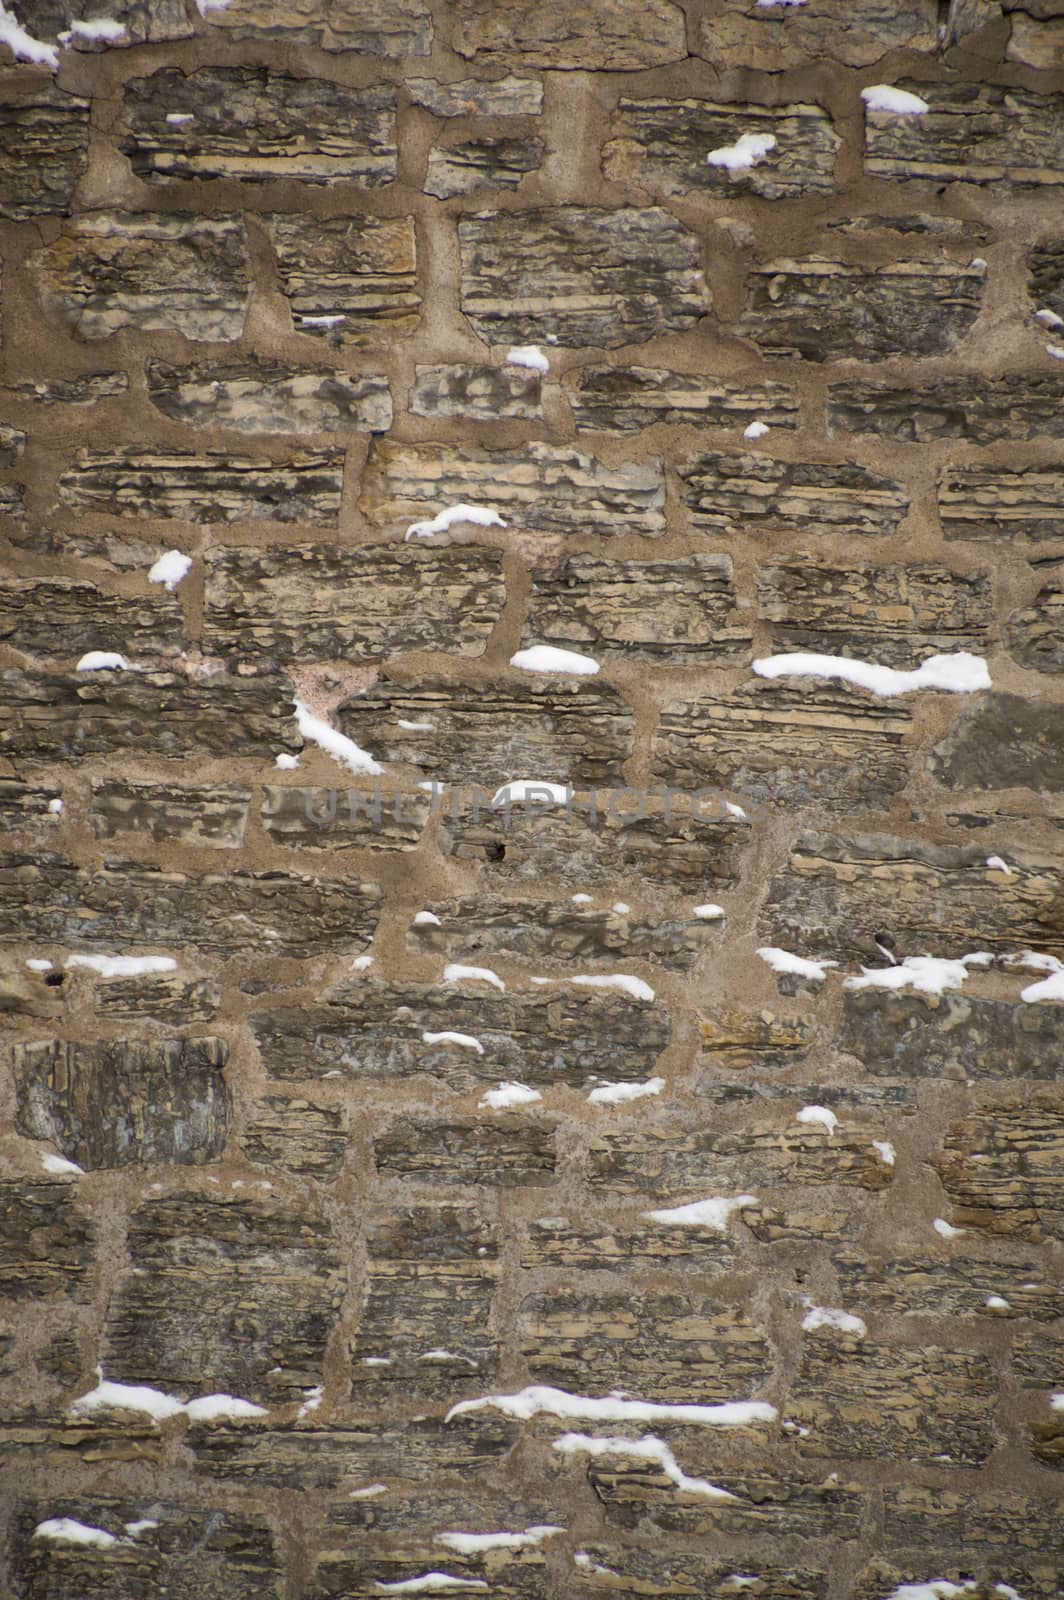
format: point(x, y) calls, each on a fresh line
point(262, 269)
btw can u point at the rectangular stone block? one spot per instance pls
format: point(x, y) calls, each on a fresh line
point(580, 275)
point(1002, 741)
point(774, 1503)
point(950, 1036)
point(505, 97)
point(47, 1242)
point(141, 22)
point(258, 395)
point(62, 619)
point(1045, 284)
point(663, 144)
point(207, 817)
point(739, 1040)
point(625, 1573)
point(842, 892)
point(627, 399)
point(1001, 502)
point(1003, 1168)
point(343, 819)
point(367, 1570)
point(28, 806)
point(50, 716)
point(733, 495)
point(590, 1246)
point(127, 903)
point(216, 487)
point(825, 310)
point(83, 391)
point(1033, 634)
point(679, 611)
point(161, 997)
point(110, 270)
point(538, 489)
point(476, 394)
point(370, 1029)
point(13, 501)
point(1012, 1526)
point(789, 743)
point(12, 445)
point(390, 28)
point(505, 1153)
point(125, 1102)
point(620, 35)
point(1019, 405)
point(855, 32)
point(44, 140)
point(979, 133)
point(463, 166)
point(314, 602)
point(562, 729)
point(350, 279)
point(865, 1399)
point(963, 1286)
point(770, 1150)
point(258, 126)
point(221, 1294)
point(895, 615)
point(307, 1140)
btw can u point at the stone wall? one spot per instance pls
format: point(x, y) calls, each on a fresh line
point(262, 269)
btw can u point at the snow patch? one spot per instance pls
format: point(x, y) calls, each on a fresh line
point(540, 1399)
point(475, 1544)
point(160, 1406)
point(995, 1302)
point(429, 1581)
point(104, 661)
point(818, 1114)
point(216, 1407)
point(286, 762)
point(708, 912)
point(898, 102)
point(714, 1213)
point(887, 1153)
point(336, 744)
point(23, 46)
point(466, 1040)
point(612, 980)
point(646, 1449)
point(421, 918)
point(414, 727)
point(509, 1094)
point(528, 355)
point(178, 119)
point(545, 658)
point(59, 1166)
point(996, 864)
point(747, 150)
point(784, 961)
point(483, 516)
point(361, 963)
point(830, 1317)
point(924, 974)
point(455, 972)
point(946, 1230)
point(960, 673)
point(105, 29)
point(613, 1094)
point(1056, 351)
point(55, 807)
point(39, 965)
point(122, 966)
point(170, 569)
point(66, 1530)
point(1051, 988)
point(756, 430)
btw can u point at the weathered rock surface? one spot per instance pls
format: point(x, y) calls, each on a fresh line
point(1002, 741)
point(462, 166)
point(841, 893)
point(314, 602)
point(1035, 42)
point(663, 1160)
point(950, 1036)
point(159, 997)
point(307, 1140)
point(222, 1293)
point(1045, 284)
point(622, 1570)
point(964, 1286)
point(119, 551)
point(561, 729)
point(214, 818)
point(126, 903)
point(620, 35)
point(256, 125)
point(73, 716)
point(738, 494)
point(978, 133)
point(125, 1102)
point(895, 615)
point(83, 391)
point(182, 1551)
point(263, 396)
point(13, 501)
point(664, 143)
point(487, 925)
point(62, 619)
point(27, 806)
point(371, 1029)
point(216, 487)
point(775, 1503)
point(1034, 634)
point(391, 28)
point(1003, 1167)
point(47, 1241)
point(599, 1246)
point(351, 279)
point(505, 97)
point(12, 445)
point(825, 310)
point(579, 275)
point(855, 32)
point(425, 1321)
point(739, 1040)
point(540, 489)
point(343, 819)
point(1018, 406)
point(508, 1152)
point(140, 21)
point(44, 139)
point(671, 611)
point(1010, 1526)
point(110, 270)
point(789, 742)
point(626, 399)
point(479, 394)
point(1000, 502)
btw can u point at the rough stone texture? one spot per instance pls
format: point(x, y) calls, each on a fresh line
point(626, 399)
point(661, 1161)
point(1017, 406)
point(63, 620)
point(545, 931)
point(84, 391)
point(1034, 634)
point(390, 28)
point(896, 615)
point(314, 602)
point(1001, 502)
point(664, 143)
point(681, 611)
point(297, 1136)
point(1035, 43)
point(25, 806)
point(215, 818)
point(111, 270)
point(216, 487)
point(620, 1570)
point(738, 1040)
point(856, 32)
point(509, 1152)
point(479, 394)
point(44, 144)
point(790, 742)
point(504, 97)
point(972, 133)
point(1045, 284)
point(464, 166)
point(824, 310)
point(599, 1246)
point(620, 35)
point(256, 126)
point(776, 1504)
point(343, 819)
point(13, 501)
point(840, 893)
point(47, 1239)
point(734, 494)
point(125, 1102)
point(1001, 1168)
point(964, 1286)
point(371, 1029)
point(352, 279)
point(950, 1036)
point(1002, 742)
point(263, 396)
point(160, 997)
point(540, 489)
point(1008, 1526)
point(141, 21)
point(579, 275)
point(224, 1295)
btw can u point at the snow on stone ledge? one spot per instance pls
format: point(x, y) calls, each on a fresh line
point(170, 569)
point(429, 1582)
point(23, 46)
point(67, 1530)
point(784, 961)
point(745, 152)
point(104, 661)
point(509, 1094)
point(1051, 988)
point(455, 972)
point(830, 1317)
point(483, 516)
point(110, 1396)
point(924, 974)
point(646, 1449)
point(475, 1544)
point(528, 355)
point(60, 1167)
point(818, 1114)
point(898, 102)
point(714, 1213)
point(607, 980)
point(336, 744)
point(465, 1040)
point(122, 966)
point(545, 658)
point(613, 1094)
point(541, 1399)
point(960, 673)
